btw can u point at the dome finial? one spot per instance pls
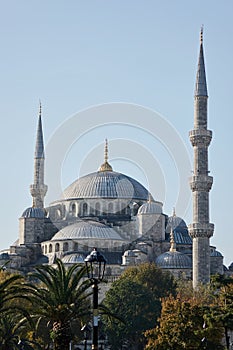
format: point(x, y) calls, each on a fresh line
point(174, 212)
point(149, 198)
point(106, 151)
point(105, 166)
point(172, 242)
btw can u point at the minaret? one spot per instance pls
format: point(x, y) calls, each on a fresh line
point(201, 229)
point(38, 189)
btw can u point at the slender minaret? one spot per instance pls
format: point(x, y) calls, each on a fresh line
point(38, 189)
point(201, 229)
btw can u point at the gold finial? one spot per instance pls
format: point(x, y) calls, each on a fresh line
point(106, 151)
point(105, 166)
point(149, 198)
point(174, 211)
point(172, 242)
point(201, 34)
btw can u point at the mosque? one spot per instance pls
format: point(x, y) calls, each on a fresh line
point(116, 214)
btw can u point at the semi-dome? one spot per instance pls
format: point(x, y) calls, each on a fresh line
point(106, 184)
point(73, 258)
point(174, 260)
point(150, 208)
point(87, 230)
point(33, 213)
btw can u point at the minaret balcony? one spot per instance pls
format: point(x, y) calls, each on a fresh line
point(197, 229)
point(38, 190)
point(201, 183)
point(200, 137)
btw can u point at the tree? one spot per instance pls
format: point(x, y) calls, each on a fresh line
point(223, 310)
point(13, 333)
point(60, 300)
point(12, 293)
point(185, 324)
point(135, 300)
point(160, 283)
point(136, 311)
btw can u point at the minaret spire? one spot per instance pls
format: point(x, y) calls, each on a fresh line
point(38, 189)
point(201, 86)
point(201, 229)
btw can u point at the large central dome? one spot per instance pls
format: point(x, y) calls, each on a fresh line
point(106, 184)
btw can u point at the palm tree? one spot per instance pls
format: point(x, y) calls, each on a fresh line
point(60, 300)
point(13, 331)
point(12, 290)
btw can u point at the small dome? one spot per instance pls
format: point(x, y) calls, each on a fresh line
point(87, 230)
point(174, 260)
point(150, 208)
point(216, 253)
point(73, 258)
point(33, 213)
point(176, 223)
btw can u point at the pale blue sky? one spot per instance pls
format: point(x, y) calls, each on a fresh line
point(76, 54)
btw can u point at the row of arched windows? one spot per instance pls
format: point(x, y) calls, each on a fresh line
point(57, 247)
point(96, 209)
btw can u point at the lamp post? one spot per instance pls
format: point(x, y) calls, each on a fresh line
point(95, 264)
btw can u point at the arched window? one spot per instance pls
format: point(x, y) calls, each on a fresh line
point(57, 247)
point(65, 247)
point(84, 209)
point(75, 246)
point(50, 248)
point(58, 214)
point(73, 209)
point(45, 249)
point(110, 208)
point(97, 208)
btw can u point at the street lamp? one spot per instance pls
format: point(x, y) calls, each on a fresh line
point(95, 264)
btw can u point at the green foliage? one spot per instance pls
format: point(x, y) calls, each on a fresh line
point(13, 333)
point(60, 300)
point(159, 282)
point(185, 324)
point(135, 300)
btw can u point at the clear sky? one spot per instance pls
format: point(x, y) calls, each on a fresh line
point(73, 55)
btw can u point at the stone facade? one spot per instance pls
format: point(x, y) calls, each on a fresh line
point(117, 215)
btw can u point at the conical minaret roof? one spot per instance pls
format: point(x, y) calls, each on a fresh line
point(201, 86)
point(39, 149)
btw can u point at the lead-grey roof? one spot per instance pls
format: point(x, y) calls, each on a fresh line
point(201, 86)
point(33, 213)
point(106, 184)
point(216, 253)
point(174, 260)
point(87, 230)
point(39, 149)
point(150, 208)
point(73, 258)
point(182, 237)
